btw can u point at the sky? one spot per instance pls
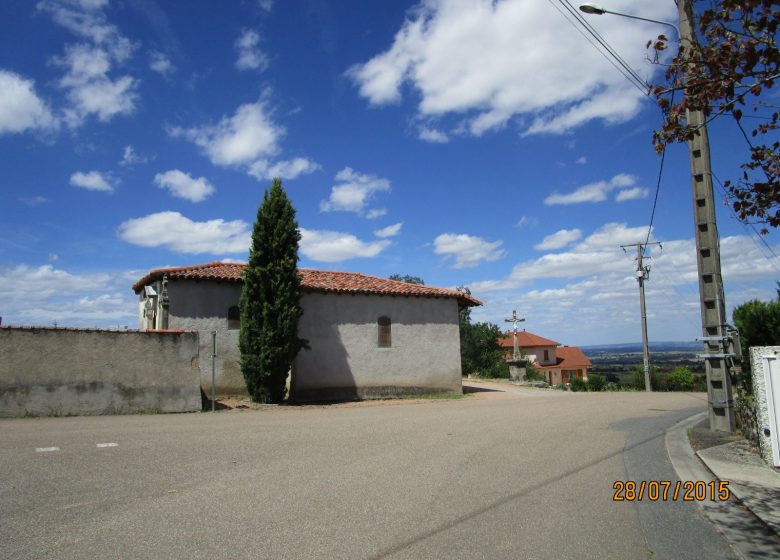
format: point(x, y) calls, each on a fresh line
point(467, 142)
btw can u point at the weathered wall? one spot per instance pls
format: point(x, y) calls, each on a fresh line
point(203, 307)
point(56, 371)
point(760, 393)
point(345, 361)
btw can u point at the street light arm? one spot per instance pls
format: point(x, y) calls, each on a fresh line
point(594, 10)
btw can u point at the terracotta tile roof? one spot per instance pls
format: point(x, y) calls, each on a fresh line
point(568, 357)
point(525, 339)
point(311, 280)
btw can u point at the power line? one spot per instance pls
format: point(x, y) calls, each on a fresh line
point(628, 74)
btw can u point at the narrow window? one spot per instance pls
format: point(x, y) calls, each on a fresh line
point(546, 355)
point(234, 318)
point(383, 331)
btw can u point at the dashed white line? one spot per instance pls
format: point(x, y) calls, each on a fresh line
point(107, 445)
point(46, 449)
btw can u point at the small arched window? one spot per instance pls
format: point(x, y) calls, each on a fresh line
point(234, 318)
point(383, 332)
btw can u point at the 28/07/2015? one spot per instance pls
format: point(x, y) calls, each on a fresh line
point(667, 490)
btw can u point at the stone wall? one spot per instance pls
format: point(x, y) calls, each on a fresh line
point(763, 421)
point(61, 372)
point(345, 360)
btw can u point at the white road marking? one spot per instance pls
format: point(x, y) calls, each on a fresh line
point(46, 449)
point(107, 444)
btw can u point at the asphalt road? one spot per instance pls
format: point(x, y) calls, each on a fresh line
point(525, 474)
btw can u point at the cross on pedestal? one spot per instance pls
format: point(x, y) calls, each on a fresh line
point(514, 320)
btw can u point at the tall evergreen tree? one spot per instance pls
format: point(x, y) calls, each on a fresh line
point(270, 299)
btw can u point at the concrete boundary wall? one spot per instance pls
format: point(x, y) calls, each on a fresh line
point(61, 372)
point(760, 390)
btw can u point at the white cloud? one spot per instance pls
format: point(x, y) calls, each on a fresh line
point(183, 185)
point(93, 181)
point(632, 194)
point(130, 157)
point(243, 138)
point(592, 192)
point(467, 250)
point(90, 90)
point(581, 160)
point(389, 231)
point(526, 221)
point(250, 57)
point(559, 239)
point(266, 5)
point(44, 295)
point(474, 58)
point(285, 169)
point(20, 107)
point(375, 213)
point(334, 246)
point(182, 235)
point(161, 64)
point(433, 135)
point(353, 191)
point(594, 282)
point(34, 200)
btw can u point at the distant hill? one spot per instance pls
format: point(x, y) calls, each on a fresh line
point(636, 347)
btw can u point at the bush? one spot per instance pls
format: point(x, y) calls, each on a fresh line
point(533, 374)
point(612, 387)
point(638, 379)
point(681, 379)
point(578, 384)
point(596, 382)
point(559, 387)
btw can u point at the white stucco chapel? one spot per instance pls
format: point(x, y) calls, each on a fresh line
point(369, 336)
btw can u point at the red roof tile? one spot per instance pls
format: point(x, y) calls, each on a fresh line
point(525, 340)
point(568, 357)
point(311, 280)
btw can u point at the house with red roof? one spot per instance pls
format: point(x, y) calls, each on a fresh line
point(558, 364)
point(368, 336)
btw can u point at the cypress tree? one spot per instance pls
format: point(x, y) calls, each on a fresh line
point(270, 299)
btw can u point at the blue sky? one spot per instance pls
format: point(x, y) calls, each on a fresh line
point(463, 141)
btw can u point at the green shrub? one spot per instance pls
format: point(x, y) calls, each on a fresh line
point(533, 374)
point(638, 379)
point(612, 387)
point(559, 387)
point(578, 384)
point(596, 382)
point(681, 379)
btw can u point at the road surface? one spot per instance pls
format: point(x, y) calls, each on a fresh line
point(513, 474)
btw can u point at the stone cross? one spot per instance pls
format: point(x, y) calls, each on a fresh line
point(514, 320)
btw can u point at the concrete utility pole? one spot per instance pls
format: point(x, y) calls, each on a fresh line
point(713, 306)
point(642, 274)
point(720, 343)
point(514, 320)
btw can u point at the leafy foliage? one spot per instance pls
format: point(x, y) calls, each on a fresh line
point(638, 379)
point(578, 384)
point(730, 68)
point(758, 323)
point(680, 379)
point(596, 382)
point(408, 279)
point(270, 299)
point(480, 353)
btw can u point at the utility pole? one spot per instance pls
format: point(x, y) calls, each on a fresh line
point(716, 337)
point(642, 274)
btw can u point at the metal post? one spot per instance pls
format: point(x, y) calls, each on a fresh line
point(713, 306)
point(213, 370)
point(642, 274)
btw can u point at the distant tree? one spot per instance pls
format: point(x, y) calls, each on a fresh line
point(680, 379)
point(480, 352)
point(270, 299)
point(731, 66)
point(758, 323)
point(407, 278)
point(638, 379)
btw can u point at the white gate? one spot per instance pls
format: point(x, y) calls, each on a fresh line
point(772, 384)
